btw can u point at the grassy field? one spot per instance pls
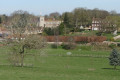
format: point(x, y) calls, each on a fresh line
point(54, 64)
point(84, 33)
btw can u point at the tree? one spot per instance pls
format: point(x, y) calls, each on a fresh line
point(114, 58)
point(61, 29)
point(66, 19)
point(4, 18)
point(113, 13)
point(55, 15)
point(19, 20)
point(22, 20)
point(115, 20)
point(18, 48)
point(81, 17)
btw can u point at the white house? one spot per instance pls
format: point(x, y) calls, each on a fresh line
point(96, 24)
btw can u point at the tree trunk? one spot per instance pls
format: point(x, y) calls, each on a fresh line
point(22, 56)
point(22, 59)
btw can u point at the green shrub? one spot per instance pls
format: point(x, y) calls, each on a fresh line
point(88, 48)
point(112, 39)
point(68, 46)
point(99, 33)
point(54, 46)
point(44, 34)
point(112, 46)
point(118, 44)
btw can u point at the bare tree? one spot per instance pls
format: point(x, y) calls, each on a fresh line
point(18, 48)
point(20, 20)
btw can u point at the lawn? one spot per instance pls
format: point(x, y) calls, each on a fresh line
point(83, 33)
point(54, 64)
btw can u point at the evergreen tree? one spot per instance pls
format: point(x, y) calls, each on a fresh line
point(66, 20)
point(61, 29)
point(114, 58)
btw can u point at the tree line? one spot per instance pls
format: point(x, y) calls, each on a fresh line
point(71, 20)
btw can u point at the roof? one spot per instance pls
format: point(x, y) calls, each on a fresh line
point(51, 19)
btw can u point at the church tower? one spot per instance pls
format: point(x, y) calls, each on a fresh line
point(42, 21)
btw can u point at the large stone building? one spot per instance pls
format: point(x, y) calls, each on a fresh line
point(49, 22)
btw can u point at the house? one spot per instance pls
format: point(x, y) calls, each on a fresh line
point(103, 25)
point(49, 22)
point(96, 24)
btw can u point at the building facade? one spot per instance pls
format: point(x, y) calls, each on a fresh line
point(103, 25)
point(49, 22)
point(96, 24)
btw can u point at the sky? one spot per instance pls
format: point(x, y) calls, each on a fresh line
point(42, 7)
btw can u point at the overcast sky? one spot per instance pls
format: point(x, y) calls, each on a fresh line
point(42, 7)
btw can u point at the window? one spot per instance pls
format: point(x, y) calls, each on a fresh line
point(41, 19)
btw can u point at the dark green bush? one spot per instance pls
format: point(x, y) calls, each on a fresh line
point(54, 46)
point(118, 44)
point(68, 46)
point(112, 46)
point(99, 33)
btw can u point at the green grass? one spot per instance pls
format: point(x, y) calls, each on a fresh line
point(108, 35)
point(50, 67)
point(83, 33)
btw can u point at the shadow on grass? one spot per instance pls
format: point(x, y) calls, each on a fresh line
point(18, 66)
point(110, 69)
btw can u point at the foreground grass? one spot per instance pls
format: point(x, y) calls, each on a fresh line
point(46, 67)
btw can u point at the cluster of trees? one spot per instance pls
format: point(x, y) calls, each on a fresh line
point(76, 18)
point(60, 30)
point(83, 17)
point(20, 20)
point(55, 15)
point(71, 20)
point(17, 17)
